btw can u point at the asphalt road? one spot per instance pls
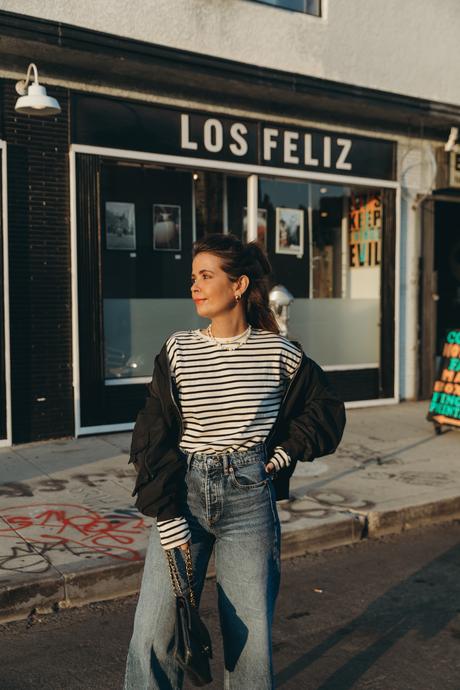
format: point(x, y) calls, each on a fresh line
point(381, 615)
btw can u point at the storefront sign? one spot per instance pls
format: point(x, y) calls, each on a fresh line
point(278, 146)
point(127, 125)
point(365, 234)
point(445, 401)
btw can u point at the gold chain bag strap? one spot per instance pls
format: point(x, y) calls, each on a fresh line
point(192, 642)
point(175, 575)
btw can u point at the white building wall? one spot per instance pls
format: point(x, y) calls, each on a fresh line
point(416, 172)
point(408, 47)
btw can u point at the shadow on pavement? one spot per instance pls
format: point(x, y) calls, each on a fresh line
point(414, 605)
point(374, 460)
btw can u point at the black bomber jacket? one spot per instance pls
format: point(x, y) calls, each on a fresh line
point(310, 424)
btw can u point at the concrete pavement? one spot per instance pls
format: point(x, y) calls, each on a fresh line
point(69, 532)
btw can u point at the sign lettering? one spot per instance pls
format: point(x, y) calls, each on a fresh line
point(445, 401)
point(365, 233)
point(222, 138)
point(280, 147)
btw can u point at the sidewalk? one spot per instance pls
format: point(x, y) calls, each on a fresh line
point(69, 532)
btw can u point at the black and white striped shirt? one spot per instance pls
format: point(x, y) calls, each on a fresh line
point(229, 398)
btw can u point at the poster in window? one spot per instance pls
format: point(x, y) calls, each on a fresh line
point(261, 226)
point(120, 223)
point(167, 233)
point(289, 231)
point(365, 234)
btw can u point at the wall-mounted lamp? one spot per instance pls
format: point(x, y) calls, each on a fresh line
point(33, 99)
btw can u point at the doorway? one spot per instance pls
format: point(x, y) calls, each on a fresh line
point(447, 268)
point(439, 283)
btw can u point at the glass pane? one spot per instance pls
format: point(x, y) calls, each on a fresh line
point(365, 222)
point(147, 225)
point(237, 195)
point(147, 231)
point(337, 331)
point(283, 207)
point(147, 235)
point(135, 330)
point(328, 255)
point(335, 276)
point(209, 202)
point(308, 6)
point(298, 5)
point(313, 7)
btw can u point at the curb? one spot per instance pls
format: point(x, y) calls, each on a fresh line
point(381, 523)
point(346, 529)
point(111, 581)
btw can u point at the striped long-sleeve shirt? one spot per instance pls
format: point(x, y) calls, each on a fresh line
point(229, 398)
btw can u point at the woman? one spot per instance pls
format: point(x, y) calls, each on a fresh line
point(232, 408)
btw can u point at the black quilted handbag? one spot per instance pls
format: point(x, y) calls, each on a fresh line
point(192, 643)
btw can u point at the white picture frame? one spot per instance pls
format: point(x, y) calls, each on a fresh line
point(290, 231)
point(120, 225)
point(167, 228)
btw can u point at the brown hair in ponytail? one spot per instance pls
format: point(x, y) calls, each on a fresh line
point(240, 259)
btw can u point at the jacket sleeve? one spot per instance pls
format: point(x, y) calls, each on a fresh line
point(315, 425)
point(160, 482)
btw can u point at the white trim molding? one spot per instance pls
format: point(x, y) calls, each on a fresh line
point(226, 167)
point(74, 278)
point(6, 295)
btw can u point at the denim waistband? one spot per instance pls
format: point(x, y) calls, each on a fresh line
point(226, 458)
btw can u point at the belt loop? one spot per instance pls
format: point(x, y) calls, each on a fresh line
point(189, 459)
point(264, 451)
point(225, 464)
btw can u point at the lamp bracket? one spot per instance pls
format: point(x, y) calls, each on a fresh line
point(22, 85)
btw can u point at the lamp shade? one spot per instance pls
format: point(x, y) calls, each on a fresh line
point(37, 102)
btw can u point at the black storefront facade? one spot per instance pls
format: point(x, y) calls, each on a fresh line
point(145, 181)
point(101, 205)
point(104, 202)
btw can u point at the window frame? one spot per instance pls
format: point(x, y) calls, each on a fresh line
point(94, 402)
point(318, 15)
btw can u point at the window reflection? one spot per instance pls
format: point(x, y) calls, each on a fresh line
point(336, 278)
point(150, 216)
point(327, 241)
point(308, 6)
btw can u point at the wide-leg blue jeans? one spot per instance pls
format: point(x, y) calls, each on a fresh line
point(230, 506)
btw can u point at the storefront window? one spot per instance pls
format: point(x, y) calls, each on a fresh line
point(150, 217)
point(307, 6)
point(325, 245)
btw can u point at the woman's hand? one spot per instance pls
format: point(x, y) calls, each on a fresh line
point(278, 460)
point(184, 547)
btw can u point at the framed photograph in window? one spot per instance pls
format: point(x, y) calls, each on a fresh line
point(289, 231)
point(167, 232)
point(261, 226)
point(120, 225)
